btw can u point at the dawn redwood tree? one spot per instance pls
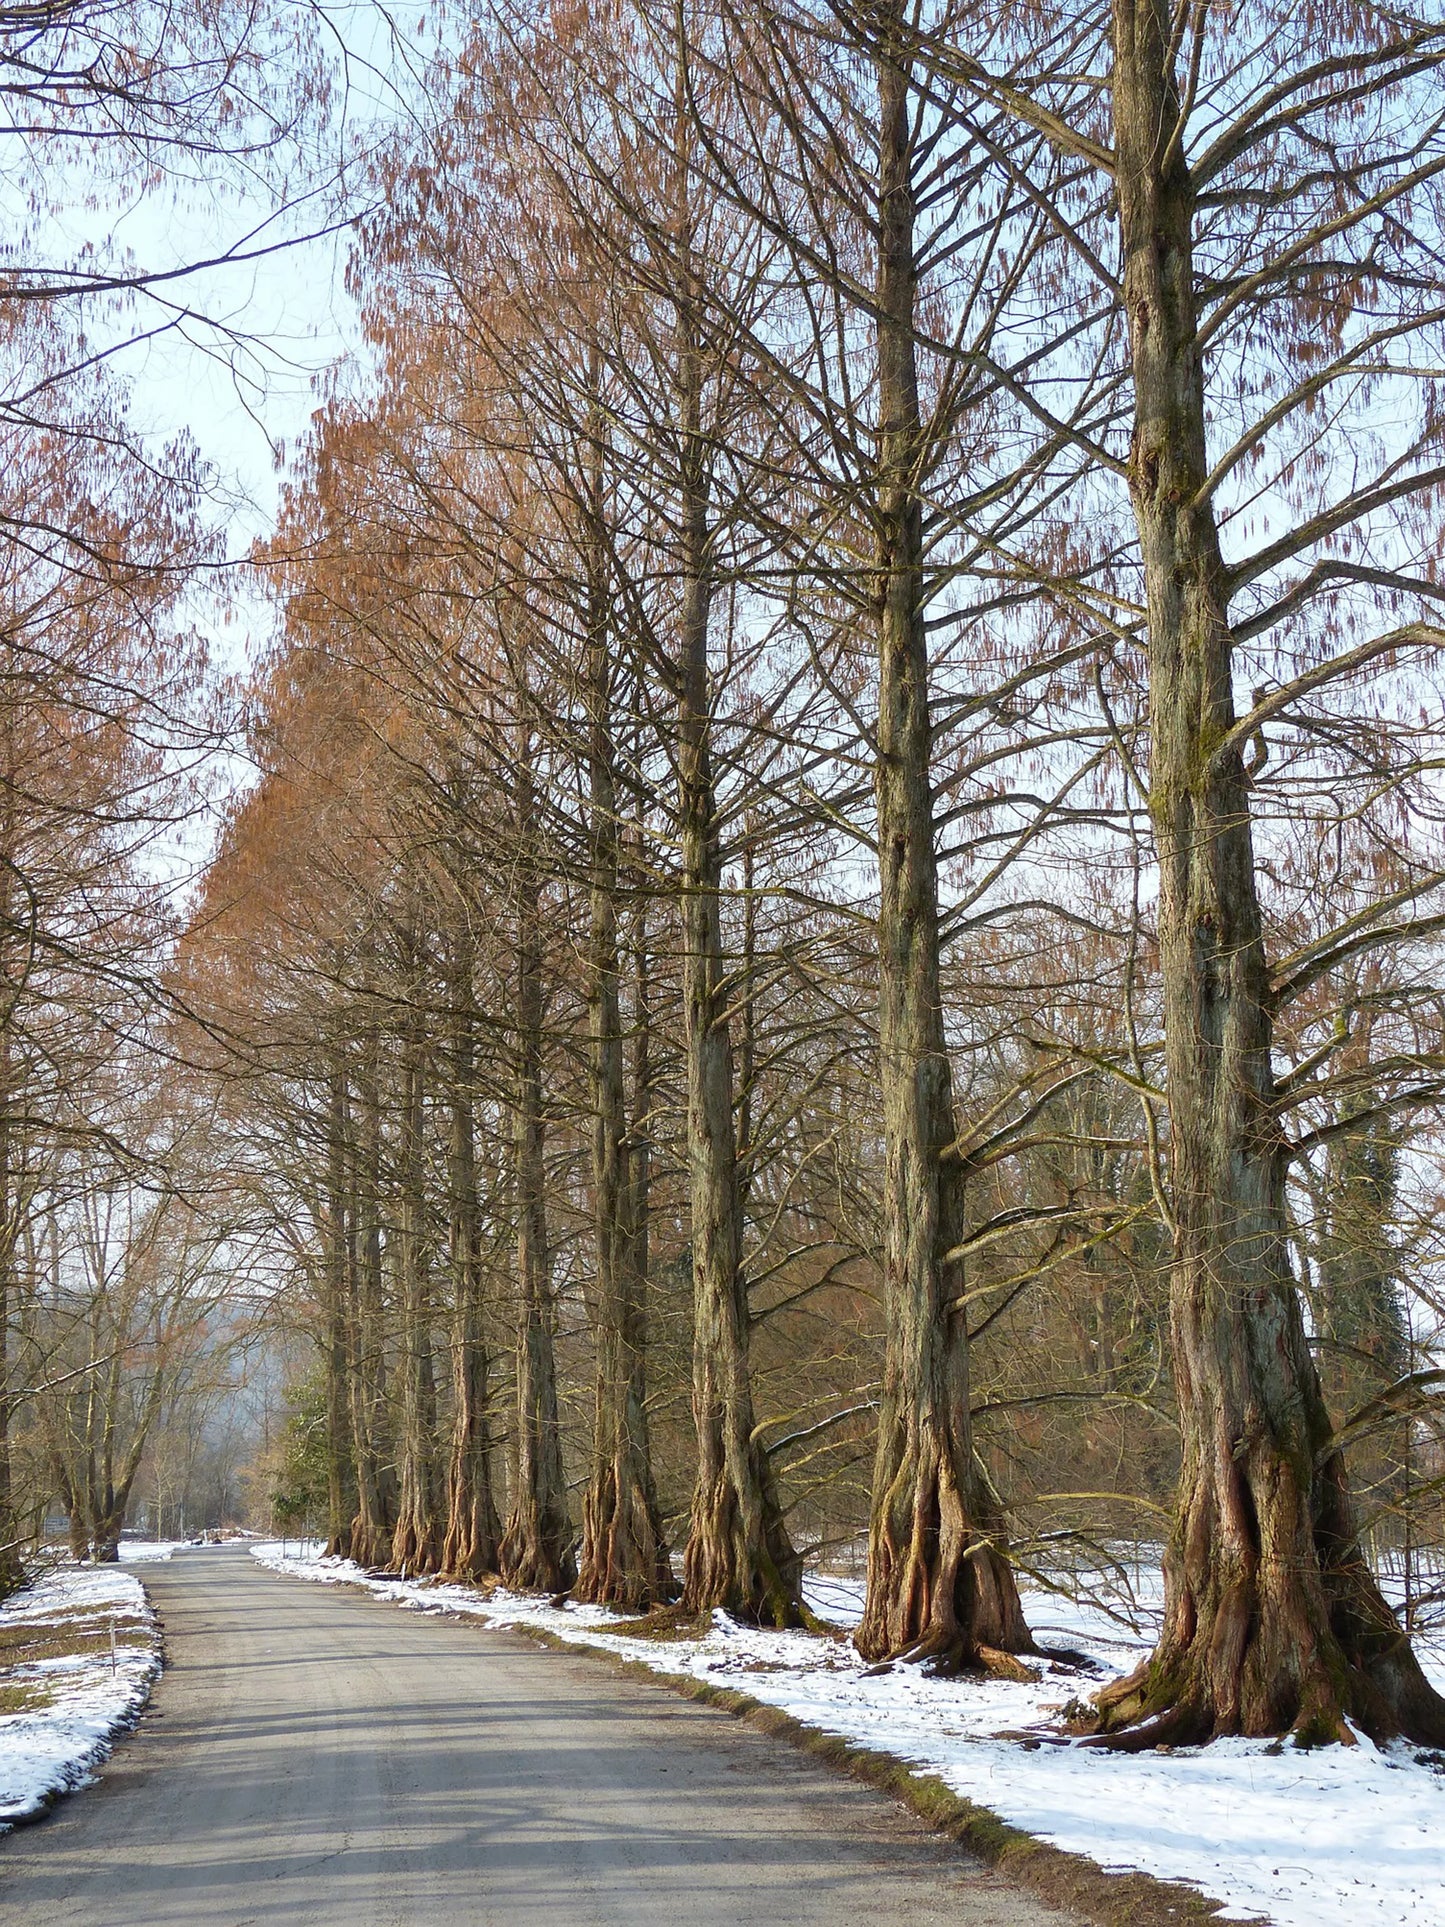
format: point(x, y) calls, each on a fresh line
point(372, 1431)
point(894, 354)
point(341, 1498)
point(1272, 169)
point(531, 340)
point(940, 1584)
point(633, 191)
point(417, 1540)
point(738, 1555)
point(1274, 1619)
point(473, 1528)
point(536, 1547)
point(624, 1555)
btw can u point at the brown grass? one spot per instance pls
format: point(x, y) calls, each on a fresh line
point(67, 1636)
point(72, 1634)
point(667, 1623)
point(25, 1696)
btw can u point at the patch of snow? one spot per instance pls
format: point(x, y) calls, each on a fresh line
point(138, 1552)
point(1330, 1838)
point(93, 1697)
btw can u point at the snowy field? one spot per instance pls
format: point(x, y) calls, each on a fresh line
point(1339, 1837)
point(64, 1694)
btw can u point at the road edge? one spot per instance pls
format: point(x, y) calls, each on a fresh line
point(1068, 1880)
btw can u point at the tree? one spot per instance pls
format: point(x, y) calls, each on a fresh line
point(1273, 1622)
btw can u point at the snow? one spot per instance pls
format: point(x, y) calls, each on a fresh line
point(1328, 1838)
point(90, 1698)
point(139, 1552)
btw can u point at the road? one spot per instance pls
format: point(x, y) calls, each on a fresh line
point(315, 1755)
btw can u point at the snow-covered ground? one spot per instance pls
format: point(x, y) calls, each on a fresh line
point(74, 1696)
point(140, 1552)
point(1338, 1837)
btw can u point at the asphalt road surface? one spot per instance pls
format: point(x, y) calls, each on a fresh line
point(315, 1755)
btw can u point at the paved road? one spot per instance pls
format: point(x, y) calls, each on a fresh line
point(315, 1755)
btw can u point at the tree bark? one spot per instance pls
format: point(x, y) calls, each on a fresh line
point(624, 1559)
point(940, 1586)
point(371, 1530)
point(12, 1572)
point(1273, 1622)
point(473, 1529)
point(110, 1474)
point(77, 1528)
point(340, 1478)
point(536, 1548)
point(416, 1542)
point(738, 1554)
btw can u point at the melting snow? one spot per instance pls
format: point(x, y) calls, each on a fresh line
point(55, 1748)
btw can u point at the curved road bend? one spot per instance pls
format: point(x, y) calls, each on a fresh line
point(314, 1755)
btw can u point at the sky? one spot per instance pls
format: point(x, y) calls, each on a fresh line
point(230, 356)
point(238, 366)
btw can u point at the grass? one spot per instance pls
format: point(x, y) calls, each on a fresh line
point(665, 1624)
point(67, 1633)
point(25, 1696)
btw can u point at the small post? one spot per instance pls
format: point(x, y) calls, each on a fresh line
point(112, 1646)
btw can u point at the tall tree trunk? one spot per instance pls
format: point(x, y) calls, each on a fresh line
point(12, 1572)
point(106, 1528)
point(416, 1542)
point(536, 1548)
point(103, 1412)
point(77, 1527)
point(1272, 1621)
point(639, 1143)
point(738, 1554)
point(940, 1586)
point(624, 1559)
point(473, 1529)
point(340, 1478)
point(371, 1530)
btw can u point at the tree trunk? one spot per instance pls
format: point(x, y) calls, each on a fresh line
point(105, 1538)
point(536, 1549)
point(1272, 1620)
point(738, 1554)
point(12, 1572)
point(416, 1542)
point(77, 1528)
point(624, 1559)
point(371, 1530)
point(113, 1479)
point(473, 1529)
point(940, 1586)
point(340, 1479)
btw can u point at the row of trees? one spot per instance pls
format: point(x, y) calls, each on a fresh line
point(844, 862)
point(855, 718)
